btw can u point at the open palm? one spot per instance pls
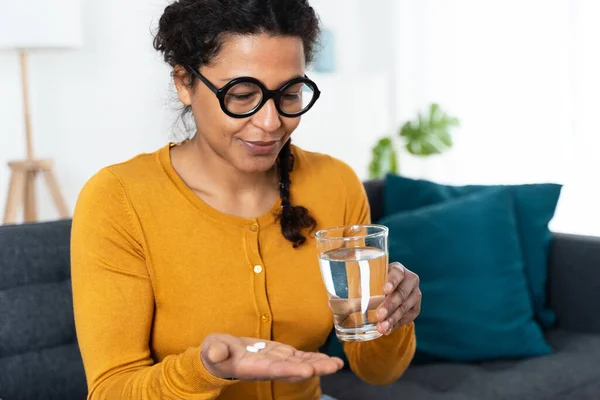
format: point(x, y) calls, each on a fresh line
point(225, 356)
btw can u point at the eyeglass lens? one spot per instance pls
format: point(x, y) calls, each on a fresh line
point(244, 97)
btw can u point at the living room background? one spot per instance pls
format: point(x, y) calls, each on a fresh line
point(520, 75)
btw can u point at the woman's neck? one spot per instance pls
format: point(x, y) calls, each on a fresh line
point(205, 172)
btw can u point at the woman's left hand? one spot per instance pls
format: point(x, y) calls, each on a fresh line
point(403, 299)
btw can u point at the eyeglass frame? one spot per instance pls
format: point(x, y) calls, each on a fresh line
point(267, 94)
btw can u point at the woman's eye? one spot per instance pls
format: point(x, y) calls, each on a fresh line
point(292, 96)
point(242, 96)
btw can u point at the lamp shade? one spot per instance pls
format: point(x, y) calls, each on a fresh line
point(39, 24)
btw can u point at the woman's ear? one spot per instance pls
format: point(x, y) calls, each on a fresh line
point(183, 83)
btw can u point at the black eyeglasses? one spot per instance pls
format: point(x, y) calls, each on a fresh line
point(244, 96)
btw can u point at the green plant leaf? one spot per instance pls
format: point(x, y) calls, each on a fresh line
point(384, 159)
point(431, 134)
point(445, 138)
point(426, 135)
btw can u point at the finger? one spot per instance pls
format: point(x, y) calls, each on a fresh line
point(395, 276)
point(283, 369)
point(322, 363)
point(217, 352)
point(409, 284)
point(315, 357)
point(326, 367)
point(409, 317)
point(391, 303)
point(267, 369)
point(310, 356)
point(409, 308)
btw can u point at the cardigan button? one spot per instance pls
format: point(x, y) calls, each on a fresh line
point(265, 318)
point(254, 227)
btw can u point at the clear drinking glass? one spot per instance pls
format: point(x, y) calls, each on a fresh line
point(354, 267)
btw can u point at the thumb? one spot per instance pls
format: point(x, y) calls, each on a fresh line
point(217, 352)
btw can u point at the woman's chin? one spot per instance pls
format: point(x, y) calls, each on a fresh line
point(256, 165)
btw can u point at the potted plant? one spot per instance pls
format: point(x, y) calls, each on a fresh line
point(424, 136)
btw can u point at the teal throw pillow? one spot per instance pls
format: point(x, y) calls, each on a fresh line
point(534, 205)
point(475, 304)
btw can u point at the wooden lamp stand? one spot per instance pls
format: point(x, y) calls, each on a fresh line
point(21, 190)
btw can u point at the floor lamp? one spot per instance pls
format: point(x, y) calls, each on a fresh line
point(27, 26)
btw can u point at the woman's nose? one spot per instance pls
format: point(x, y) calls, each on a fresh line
point(267, 118)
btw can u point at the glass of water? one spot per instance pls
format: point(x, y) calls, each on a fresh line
point(354, 267)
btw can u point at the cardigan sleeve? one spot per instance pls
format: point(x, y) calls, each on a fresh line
point(114, 305)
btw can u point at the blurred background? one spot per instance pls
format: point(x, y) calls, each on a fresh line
point(521, 76)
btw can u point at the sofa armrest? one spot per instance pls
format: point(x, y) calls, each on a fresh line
point(574, 282)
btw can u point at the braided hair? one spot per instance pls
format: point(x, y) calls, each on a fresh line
point(191, 34)
point(293, 218)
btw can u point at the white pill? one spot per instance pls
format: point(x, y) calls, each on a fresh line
point(260, 345)
point(252, 349)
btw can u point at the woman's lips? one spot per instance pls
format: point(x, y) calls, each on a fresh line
point(258, 147)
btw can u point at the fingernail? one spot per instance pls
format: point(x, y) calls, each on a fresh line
point(385, 325)
point(389, 287)
point(383, 313)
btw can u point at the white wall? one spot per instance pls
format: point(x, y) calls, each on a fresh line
point(113, 99)
point(355, 107)
point(91, 107)
point(522, 77)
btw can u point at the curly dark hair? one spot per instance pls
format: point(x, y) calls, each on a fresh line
point(191, 34)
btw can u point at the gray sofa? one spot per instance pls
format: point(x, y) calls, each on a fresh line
point(39, 358)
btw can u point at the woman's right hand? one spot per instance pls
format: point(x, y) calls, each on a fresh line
point(225, 356)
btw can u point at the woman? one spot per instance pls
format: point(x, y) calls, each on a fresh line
point(184, 257)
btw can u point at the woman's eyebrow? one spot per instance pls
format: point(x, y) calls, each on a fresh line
point(249, 76)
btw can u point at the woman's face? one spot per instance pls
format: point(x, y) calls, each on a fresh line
point(250, 144)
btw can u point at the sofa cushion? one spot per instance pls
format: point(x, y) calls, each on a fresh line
point(475, 302)
point(36, 317)
point(570, 373)
point(39, 357)
point(34, 253)
point(534, 205)
point(54, 374)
